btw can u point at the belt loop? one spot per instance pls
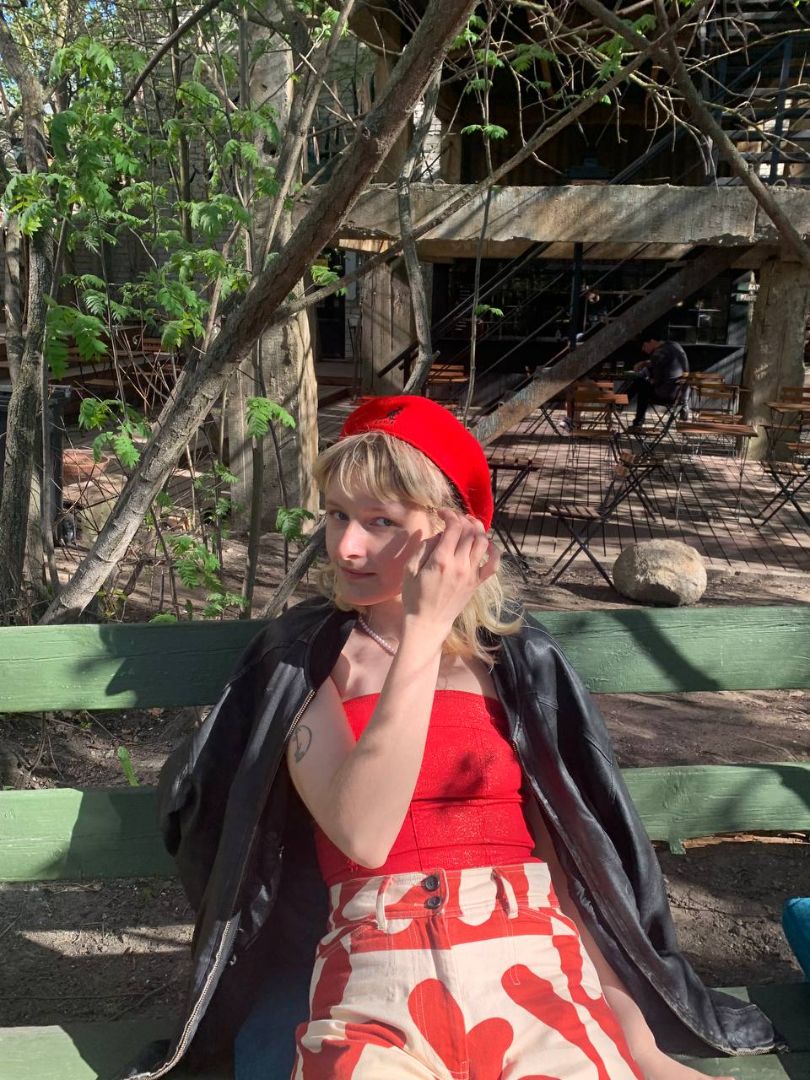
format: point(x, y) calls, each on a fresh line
point(382, 922)
point(505, 893)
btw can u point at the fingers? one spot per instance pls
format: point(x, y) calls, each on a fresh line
point(465, 540)
point(415, 553)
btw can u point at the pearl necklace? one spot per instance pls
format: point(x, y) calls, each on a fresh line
point(381, 641)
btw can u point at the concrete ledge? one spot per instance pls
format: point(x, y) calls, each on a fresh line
point(670, 218)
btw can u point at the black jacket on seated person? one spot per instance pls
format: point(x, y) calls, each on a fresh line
point(666, 365)
point(245, 853)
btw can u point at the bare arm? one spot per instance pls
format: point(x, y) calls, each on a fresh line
point(653, 1062)
point(359, 793)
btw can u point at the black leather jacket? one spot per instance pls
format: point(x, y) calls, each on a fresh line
point(243, 843)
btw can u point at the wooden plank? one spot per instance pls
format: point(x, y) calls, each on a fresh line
point(764, 1067)
point(661, 650)
point(115, 666)
point(64, 833)
point(683, 802)
point(84, 1051)
point(91, 1051)
point(644, 650)
point(67, 834)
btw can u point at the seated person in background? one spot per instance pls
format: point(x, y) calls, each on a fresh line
point(659, 378)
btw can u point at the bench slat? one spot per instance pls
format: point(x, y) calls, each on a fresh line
point(624, 651)
point(84, 1051)
point(68, 834)
point(681, 802)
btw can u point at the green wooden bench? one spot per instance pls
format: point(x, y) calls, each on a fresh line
point(65, 835)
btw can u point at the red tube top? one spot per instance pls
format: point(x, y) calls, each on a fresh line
point(467, 807)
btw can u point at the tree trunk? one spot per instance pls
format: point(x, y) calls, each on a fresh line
point(198, 389)
point(25, 406)
point(285, 355)
point(12, 296)
point(775, 353)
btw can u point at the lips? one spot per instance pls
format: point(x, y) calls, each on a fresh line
point(354, 573)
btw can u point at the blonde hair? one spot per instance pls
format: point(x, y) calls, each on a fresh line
point(389, 468)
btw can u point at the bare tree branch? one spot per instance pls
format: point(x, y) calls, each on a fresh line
point(668, 55)
point(543, 135)
point(171, 40)
point(199, 387)
point(416, 280)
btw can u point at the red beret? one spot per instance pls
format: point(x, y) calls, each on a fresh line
point(435, 431)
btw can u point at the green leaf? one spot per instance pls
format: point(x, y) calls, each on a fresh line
point(475, 85)
point(94, 413)
point(526, 54)
point(56, 354)
point(125, 450)
point(488, 57)
point(289, 522)
point(323, 275)
point(126, 765)
point(494, 131)
point(260, 411)
point(59, 131)
point(163, 618)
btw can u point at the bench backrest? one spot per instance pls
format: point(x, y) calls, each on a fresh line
point(644, 650)
point(65, 833)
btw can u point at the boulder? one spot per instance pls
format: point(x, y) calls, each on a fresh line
point(660, 572)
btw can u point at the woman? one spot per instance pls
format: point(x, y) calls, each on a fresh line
point(495, 908)
point(447, 944)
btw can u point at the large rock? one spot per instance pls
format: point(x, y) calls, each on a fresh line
point(660, 572)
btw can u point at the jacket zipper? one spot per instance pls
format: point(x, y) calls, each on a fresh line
point(226, 941)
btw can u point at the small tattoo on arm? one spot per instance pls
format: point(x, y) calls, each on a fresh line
point(302, 740)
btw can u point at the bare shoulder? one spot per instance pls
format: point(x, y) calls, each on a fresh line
point(468, 674)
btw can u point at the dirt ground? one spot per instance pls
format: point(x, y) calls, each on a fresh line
point(92, 949)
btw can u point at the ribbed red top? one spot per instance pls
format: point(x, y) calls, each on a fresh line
point(467, 807)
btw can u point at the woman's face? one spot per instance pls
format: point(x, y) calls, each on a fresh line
point(366, 540)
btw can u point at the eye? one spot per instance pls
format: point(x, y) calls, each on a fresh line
point(384, 521)
point(336, 515)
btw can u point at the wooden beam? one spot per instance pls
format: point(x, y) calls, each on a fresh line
point(634, 650)
point(682, 802)
point(68, 834)
point(549, 382)
point(85, 1051)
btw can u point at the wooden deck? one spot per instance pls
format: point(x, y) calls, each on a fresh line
point(695, 502)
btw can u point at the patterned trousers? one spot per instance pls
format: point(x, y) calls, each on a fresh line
point(457, 975)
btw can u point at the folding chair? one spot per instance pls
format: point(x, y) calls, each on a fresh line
point(790, 477)
point(629, 474)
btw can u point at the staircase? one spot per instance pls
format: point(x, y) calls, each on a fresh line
point(762, 98)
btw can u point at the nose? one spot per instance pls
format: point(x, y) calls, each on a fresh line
point(351, 544)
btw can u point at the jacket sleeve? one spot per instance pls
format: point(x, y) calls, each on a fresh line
point(614, 872)
point(195, 781)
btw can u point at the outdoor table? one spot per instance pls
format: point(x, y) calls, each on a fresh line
point(605, 403)
point(521, 466)
point(790, 477)
point(740, 433)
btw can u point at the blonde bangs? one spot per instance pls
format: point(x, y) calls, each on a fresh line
point(385, 467)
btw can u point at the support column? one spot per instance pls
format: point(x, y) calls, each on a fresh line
point(775, 355)
point(386, 326)
point(284, 354)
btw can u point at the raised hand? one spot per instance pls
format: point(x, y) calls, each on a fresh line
point(443, 572)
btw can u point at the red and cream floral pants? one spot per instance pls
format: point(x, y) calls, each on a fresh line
point(457, 975)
